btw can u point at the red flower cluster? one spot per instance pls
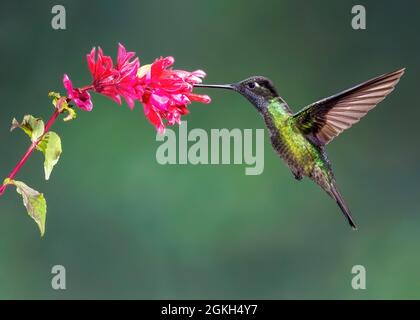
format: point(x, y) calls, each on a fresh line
point(167, 92)
point(164, 93)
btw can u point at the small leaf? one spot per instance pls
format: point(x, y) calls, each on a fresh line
point(15, 124)
point(50, 146)
point(55, 96)
point(71, 113)
point(34, 202)
point(61, 103)
point(33, 127)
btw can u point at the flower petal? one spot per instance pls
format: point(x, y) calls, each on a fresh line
point(80, 97)
point(116, 81)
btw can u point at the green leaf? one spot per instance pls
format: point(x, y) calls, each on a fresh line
point(34, 202)
point(33, 127)
point(50, 146)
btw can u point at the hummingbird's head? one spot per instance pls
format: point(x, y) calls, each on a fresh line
point(258, 90)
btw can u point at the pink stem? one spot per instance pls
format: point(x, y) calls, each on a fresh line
point(30, 150)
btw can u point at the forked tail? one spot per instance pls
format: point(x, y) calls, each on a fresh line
point(342, 204)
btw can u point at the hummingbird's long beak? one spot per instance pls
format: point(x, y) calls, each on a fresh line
point(217, 86)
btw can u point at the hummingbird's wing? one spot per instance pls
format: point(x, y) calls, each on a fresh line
point(327, 118)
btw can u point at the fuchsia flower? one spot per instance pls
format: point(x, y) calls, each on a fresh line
point(164, 93)
point(167, 92)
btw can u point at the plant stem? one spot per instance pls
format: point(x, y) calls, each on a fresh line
point(30, 150)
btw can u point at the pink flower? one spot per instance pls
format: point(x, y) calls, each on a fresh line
point(115, 81)
point(80, 97)
point(164, 93)
point(167, 92)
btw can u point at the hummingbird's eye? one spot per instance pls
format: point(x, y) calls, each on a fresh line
point(252, 85)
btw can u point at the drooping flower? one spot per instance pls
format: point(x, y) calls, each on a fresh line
point(115, 81)
point(164, 92)
point(167, 92)
point(80, 97)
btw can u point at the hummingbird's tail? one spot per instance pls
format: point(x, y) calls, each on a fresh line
point(342, 204)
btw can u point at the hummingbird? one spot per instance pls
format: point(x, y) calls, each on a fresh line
point(300, 138)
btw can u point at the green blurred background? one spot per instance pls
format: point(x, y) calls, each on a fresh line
point(126, 227)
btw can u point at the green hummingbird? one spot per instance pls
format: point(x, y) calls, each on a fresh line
point(300, 138)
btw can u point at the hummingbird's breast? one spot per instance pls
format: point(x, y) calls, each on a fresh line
point(293, 147)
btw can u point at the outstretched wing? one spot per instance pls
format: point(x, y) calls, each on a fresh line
point(327, 118)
